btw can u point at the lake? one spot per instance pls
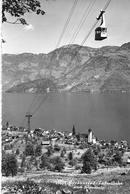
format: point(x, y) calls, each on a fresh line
point(107, 114)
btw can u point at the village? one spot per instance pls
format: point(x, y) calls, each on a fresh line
point(56, 155)
point(62, 144)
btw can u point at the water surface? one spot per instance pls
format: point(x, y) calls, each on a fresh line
point(107, 114)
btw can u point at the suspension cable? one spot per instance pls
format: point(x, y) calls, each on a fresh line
point(67, 22)
point(86, 37)
point(34, 101)
point(58, 43)
point(77, 50)
point(73, 27)
point(39, 105)
point(85, 15)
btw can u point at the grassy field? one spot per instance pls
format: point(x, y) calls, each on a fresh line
point(108, 181)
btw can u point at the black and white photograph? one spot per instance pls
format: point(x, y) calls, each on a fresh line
point(65, 97)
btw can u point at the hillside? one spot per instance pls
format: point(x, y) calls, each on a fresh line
point(36, 86)
point(69, 68)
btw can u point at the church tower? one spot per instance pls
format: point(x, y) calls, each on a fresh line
point(90, 136)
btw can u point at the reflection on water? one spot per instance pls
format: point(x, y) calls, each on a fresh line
point(107, 114)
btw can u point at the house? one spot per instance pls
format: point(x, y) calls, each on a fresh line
point(46, 142)
point(126, 157)
point(53, 141)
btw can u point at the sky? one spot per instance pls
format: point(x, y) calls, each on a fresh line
point(43, 32)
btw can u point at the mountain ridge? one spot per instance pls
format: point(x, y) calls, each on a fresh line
point(69, 68)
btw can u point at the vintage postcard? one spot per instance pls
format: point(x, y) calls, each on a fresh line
point(65, 96)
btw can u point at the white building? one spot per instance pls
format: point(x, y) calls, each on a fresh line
point(91, 137)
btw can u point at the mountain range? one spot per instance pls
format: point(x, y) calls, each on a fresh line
point(70, 68)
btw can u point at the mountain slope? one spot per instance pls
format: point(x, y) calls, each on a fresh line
point(36, 86)
point(69, 68)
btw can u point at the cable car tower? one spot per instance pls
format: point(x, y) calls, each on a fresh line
point(101, 31)
point(28, 115)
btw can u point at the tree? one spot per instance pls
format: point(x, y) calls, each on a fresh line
point(29, 150)
point(49, 151)
point(96, 150)
point(23, 162)
point(18, 8)
point(101, 158)
point(73, 162)
point(62, 154)
point(73, 131)
point(57, 163)
point(117, 157)
point(38, 150)
point(9, 165)
point(17, 151)
point(86, 168)
point(44, 161)
point(78, 137)
point(70, 156)
point(89, 159)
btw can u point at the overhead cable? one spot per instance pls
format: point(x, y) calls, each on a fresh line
point(86, 37)
point(71, 27)
point(82, 21)
point(66, 23)
point(58, 43)
point(40, 103)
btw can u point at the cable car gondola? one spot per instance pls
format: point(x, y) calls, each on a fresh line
point(101, 31)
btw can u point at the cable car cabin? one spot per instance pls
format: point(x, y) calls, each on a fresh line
point(100, 33)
